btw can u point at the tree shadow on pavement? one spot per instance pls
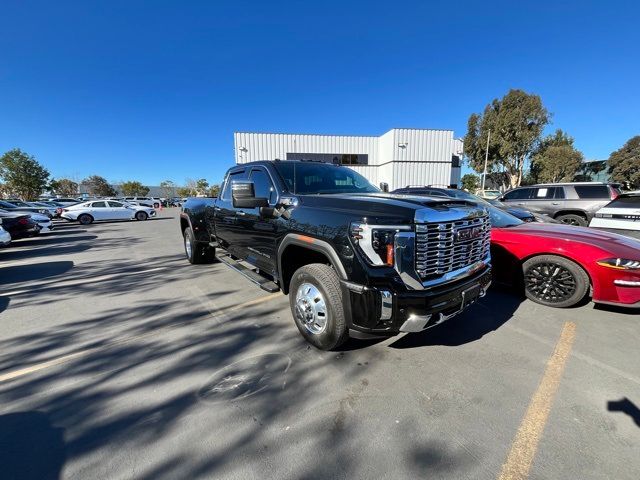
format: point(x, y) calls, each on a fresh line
point(27, 273)
point(625, 405)
point(485, 316)
point(232, 392)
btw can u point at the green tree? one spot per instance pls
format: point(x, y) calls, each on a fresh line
point(202, 186)
point(555, 159)
point(97, 185)
point(470, 182)
point(22, 174)
point(168, 188)
point(64, 187)
point(184, 192)
point(516, 122)
point(214, 191)
point(133, 188)
point(624, 164)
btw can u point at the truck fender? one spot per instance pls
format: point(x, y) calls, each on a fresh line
point(311, 243)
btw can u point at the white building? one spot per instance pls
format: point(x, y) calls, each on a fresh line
point(400, 157)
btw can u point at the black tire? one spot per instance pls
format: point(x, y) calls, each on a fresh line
point(85, 219)
point(572, 219)
point(195, 251)
point(324, 279)
point(141, 216)
point(554, 281)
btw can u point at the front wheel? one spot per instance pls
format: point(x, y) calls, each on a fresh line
point(315, 299)
point(141, 216)
point(197, 252)
point(554, 281)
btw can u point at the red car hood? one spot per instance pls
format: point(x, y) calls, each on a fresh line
point(617, 244)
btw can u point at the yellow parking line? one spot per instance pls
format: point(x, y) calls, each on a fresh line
point(66, 358)
point(525, 443)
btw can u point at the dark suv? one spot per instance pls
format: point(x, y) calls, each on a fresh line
point(570, 203)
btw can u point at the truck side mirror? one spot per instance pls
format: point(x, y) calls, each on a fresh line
point(243, 195)
point(384, 186)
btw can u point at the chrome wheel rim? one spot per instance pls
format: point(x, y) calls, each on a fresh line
point(550, 282)
point(311, 308)
point(571, 221)
point(187, 246)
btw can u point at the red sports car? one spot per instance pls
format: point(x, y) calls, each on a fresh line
point(559, 264)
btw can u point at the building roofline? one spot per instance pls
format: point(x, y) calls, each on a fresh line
point(342, 134)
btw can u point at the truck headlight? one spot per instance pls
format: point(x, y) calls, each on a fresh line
point(620, 263)
point(376, 241)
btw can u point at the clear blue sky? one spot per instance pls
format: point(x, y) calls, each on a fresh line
point(154, 90)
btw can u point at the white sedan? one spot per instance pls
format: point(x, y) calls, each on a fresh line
point(623, 213)
point(88, 212)
point(5, 237)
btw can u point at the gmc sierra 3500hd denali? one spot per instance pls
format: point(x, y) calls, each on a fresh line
point(351, 258)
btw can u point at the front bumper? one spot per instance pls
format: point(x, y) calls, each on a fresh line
point(384, 311)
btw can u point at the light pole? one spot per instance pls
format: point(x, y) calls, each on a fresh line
point(486, 159)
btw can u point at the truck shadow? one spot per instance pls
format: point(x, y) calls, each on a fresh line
point(32, 448)
point(486, 316)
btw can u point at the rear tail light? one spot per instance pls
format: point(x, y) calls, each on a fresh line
point(614, 193)
point(23, 221)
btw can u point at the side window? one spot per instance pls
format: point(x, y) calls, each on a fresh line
point(592, 191)
point(519, 194)
point(263, 186)
point(115, 204)
point(226, 193)
point(547, 193)
point(98, 205)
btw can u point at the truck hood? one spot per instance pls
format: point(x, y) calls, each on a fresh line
point(612, 242)
point(393, 207)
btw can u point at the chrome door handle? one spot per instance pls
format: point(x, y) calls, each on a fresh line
point(555, 203)
point(241, 213)
point(216, 209)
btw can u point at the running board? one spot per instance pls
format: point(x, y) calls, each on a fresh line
point(254, 277)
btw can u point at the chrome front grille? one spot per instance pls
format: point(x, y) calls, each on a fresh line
point(448, 246)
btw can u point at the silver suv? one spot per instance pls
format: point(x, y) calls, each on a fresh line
point(570, 203)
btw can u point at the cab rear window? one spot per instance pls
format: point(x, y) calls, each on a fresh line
point(625, 202)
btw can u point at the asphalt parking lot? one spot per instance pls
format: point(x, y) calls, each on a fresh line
point(118, 359)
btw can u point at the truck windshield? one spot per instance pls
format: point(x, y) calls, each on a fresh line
point(306, 178)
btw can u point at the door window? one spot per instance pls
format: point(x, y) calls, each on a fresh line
point(519, 194)
point(262, 184)
point(226, 193)
point(98, 205)
point(548, 193)
point(115, 204)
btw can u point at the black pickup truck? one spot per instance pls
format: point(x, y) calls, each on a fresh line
point(354, 260)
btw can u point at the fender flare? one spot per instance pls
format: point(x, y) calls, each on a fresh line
point(312, 244)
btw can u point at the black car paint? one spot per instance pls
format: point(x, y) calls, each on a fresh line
point(321, 223)
point(19, 226)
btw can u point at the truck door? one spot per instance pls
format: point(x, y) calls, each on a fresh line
point(227, 230)
point(258, 232)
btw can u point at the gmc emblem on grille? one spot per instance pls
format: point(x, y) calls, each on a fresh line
point(465, 234)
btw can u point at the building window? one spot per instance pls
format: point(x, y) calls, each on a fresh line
point(335, 158)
